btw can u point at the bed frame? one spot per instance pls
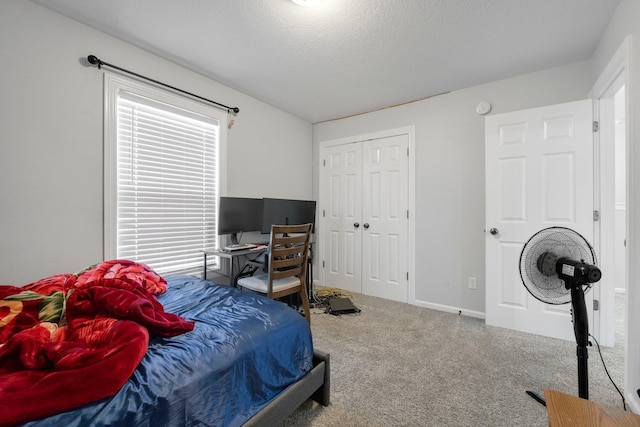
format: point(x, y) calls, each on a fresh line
point(315, 385)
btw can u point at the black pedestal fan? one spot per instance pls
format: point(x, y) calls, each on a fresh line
point(557, 266)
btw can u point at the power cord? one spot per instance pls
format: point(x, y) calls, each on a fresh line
point(624, 402)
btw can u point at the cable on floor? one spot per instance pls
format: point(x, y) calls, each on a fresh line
point(624, 402)
point(322, 296)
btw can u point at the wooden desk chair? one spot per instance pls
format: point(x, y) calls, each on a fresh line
point(287, 268)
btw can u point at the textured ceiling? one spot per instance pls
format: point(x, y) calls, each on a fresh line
point(346, 57)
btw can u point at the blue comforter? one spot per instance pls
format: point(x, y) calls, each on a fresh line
point(244, 350)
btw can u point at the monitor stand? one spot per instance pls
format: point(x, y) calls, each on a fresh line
point(234, 239)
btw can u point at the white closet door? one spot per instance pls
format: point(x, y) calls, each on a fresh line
point(365, 225)
point(384, 212)
point(342, 208)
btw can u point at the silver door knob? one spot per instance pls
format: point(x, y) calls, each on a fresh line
point(356, 224)
point(366, 225)
point(493, 231)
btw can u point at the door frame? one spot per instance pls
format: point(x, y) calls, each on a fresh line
point(604, 198)
point(411, 253)
point(616, 74)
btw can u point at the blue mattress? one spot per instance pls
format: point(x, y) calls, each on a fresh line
point(244, 350)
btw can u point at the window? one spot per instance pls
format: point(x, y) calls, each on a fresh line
point(162, 168)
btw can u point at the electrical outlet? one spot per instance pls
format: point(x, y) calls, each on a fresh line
point(473, 283)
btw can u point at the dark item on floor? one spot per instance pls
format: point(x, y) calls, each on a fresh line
point(339, 306)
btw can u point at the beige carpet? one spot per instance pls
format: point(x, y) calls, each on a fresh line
point(395, 364)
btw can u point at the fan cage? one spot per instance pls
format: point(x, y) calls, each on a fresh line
point(562, 242)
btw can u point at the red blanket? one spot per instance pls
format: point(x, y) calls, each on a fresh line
point(70, 340)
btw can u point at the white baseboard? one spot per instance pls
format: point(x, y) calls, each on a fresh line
point(426, 304)
point(450, 309)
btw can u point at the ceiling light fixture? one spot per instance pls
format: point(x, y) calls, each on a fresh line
point(307, 2)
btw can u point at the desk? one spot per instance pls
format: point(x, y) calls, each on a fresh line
point(570, 411)
point(233, 257)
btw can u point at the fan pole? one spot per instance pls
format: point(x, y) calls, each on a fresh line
point(581, 330)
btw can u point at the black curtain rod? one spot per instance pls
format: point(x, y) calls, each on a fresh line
point(95, 61)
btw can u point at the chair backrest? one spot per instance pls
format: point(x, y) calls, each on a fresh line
point(288, 252)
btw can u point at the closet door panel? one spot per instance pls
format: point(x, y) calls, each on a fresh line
point(385, 206)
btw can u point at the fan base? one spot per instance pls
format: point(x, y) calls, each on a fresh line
point(537, 397)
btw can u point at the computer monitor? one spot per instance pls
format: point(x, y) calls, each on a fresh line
point(237, 215)
point(287, 212)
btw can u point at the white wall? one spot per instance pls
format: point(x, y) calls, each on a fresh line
point(449, 140)
point(51, 140)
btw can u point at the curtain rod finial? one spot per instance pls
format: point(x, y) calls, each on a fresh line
point(93, 60)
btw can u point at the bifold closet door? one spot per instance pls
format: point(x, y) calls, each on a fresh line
point(342, 212)
point(364, 207)
point(385, 202)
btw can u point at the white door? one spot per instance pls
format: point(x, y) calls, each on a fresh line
point(365, 225)
point(384, 212)
point(539, 174)
point(342, 216)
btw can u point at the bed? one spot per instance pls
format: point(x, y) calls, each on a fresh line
point(247, 360)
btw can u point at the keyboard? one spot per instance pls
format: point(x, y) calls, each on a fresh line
point(239, 247)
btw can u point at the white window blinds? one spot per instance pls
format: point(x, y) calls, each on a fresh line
point(166, 191)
